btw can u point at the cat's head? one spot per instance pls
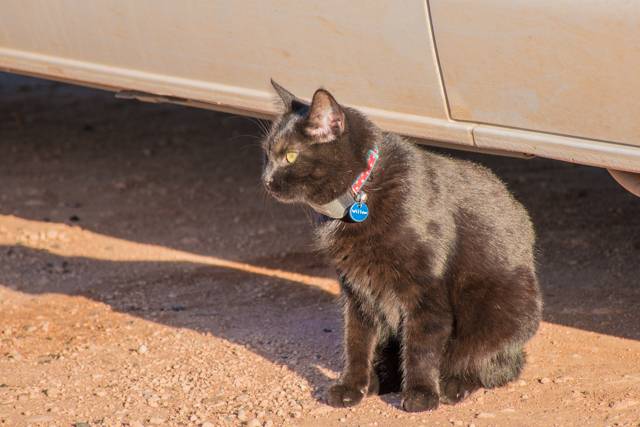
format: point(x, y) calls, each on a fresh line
point(315, 149)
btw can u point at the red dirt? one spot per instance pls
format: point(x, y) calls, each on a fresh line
point(146, 280)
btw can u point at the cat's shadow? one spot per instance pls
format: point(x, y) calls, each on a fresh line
point(286, 322)
point(279, 317)
point(206, 173)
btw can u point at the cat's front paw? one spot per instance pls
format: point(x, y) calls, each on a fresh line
point(341, 396)
point(455, 390)
point(419, 399)
point(374, 385)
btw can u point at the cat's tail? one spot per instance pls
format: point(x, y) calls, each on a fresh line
point(501, 368)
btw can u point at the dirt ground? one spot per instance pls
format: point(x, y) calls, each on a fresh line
point(145, 279)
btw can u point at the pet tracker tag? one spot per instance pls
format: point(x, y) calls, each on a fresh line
point(358, 212)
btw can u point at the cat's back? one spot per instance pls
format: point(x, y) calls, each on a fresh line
point(461, 199)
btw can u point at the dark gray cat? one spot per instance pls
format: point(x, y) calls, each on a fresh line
point(438, 282)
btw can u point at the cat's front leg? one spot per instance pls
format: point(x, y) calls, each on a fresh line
point(426, 330)
point(360, 337)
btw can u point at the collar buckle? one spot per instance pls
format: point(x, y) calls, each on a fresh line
point(339, 208)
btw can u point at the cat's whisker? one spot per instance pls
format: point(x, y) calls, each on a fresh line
point(252, 141)
point(265, 127)
point(261, 124)
point(244, 135)
point(310, 215)
point(251, 145)
point(266, 203)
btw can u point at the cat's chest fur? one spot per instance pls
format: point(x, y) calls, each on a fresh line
point(389, 258)
point(372, 272)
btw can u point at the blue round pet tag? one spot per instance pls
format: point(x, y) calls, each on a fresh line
point(358, 212)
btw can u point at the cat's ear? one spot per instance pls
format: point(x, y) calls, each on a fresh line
point(286, 96)
point(289, 100)
point(326, 120)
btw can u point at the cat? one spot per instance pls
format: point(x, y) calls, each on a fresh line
point(438, 283)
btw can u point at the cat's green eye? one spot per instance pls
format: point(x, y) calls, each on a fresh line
point(291, 156)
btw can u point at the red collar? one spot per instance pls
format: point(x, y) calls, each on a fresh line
point(339, 207)
point(372, 158)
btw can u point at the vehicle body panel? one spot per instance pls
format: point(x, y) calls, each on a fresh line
point(565, 67)
point(379, 57)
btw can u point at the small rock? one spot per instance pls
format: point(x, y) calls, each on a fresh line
point(142, 349)
point(485, 415)
point(321, 410)
point(544, 380)
point(296, 414)
point(156, 421)
point(51, 392)
point(561, 380)
point(83, 424)
point(342, 420)
point(254, 423)
point(242, 415)
point(268, 423)
point(623, 404)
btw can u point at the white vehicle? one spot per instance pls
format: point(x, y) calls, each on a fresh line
point(557, 79)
